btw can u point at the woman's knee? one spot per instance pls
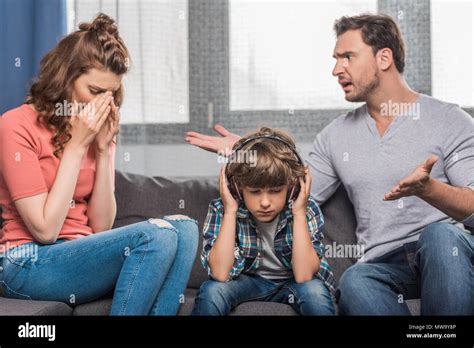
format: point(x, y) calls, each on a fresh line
point(186, 228)
point(159, 233)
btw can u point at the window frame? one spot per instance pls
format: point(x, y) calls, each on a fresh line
point(209, 78)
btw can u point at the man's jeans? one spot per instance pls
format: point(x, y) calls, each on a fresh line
point(438, 268)
point(219, 298)
point(148, 264)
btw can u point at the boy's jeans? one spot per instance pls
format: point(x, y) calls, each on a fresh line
point(438, 268)
point(219, 298)
point(148, 264)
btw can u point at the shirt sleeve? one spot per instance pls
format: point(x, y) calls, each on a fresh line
point(19, 163)
point(212, 225)
point(459, 152)
point(315, 220)
point(325, 180)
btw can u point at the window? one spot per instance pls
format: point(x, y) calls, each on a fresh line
point(281, 53)
point(452, 52)
point(248, 63)
point(156, 34)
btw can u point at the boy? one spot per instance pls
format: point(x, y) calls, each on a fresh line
point(262, 239)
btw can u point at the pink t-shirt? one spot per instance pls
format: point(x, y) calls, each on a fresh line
point(28, 167)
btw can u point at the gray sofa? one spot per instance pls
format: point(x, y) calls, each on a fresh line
point(140, 197)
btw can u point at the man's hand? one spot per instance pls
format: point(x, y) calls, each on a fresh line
point(416, 184)
point(221, 145)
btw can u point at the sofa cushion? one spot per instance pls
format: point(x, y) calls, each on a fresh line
point(10, 306)
point(247, 308)
point(339, 230)
point(141, 197)
point(103, 306)
point(414, 306)
point(98, 307)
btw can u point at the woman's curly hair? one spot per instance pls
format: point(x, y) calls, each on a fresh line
point(95, 45)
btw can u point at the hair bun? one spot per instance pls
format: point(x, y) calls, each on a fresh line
point(101, 24)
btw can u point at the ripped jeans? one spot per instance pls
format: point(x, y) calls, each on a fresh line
point(147, 263)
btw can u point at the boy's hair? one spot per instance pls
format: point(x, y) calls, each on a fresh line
point(275, 165)
point(378, 31)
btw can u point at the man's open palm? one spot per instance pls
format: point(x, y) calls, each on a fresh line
point(220, 144)
point(415, 183)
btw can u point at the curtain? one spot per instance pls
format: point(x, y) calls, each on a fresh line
point(28, 29)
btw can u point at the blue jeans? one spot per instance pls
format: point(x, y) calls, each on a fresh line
point(438, 268)
point(219, 298)
point(148, 264)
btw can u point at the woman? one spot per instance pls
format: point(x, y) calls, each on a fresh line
point(57, 190)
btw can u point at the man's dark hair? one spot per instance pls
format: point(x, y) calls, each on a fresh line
point(378, 31)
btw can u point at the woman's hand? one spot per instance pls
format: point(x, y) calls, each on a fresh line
point(230, 204)
point(89, 121)
point(109, 130)
point(300, 204)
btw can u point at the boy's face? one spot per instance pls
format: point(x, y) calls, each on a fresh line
point(265, 203)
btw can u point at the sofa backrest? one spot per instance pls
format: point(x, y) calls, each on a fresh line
point(140, 197)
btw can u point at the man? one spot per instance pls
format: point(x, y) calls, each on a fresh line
point(411, 229)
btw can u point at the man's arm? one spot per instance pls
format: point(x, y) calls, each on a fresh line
point(456, 202)
point(320, 163)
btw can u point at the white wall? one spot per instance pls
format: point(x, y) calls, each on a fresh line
point(173, 160)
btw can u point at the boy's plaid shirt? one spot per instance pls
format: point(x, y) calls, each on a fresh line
point(248, 252)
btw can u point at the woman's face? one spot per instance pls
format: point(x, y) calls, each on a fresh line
point(94, 82)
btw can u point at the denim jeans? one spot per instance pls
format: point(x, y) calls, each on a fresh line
point(219, 298)
point(146, 264)
point(438, 268)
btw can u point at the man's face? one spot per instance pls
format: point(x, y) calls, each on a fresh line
point(265, 203)
point(356, 66)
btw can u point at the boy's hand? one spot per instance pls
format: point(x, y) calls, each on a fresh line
point(230, 204)
point(301, 202)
